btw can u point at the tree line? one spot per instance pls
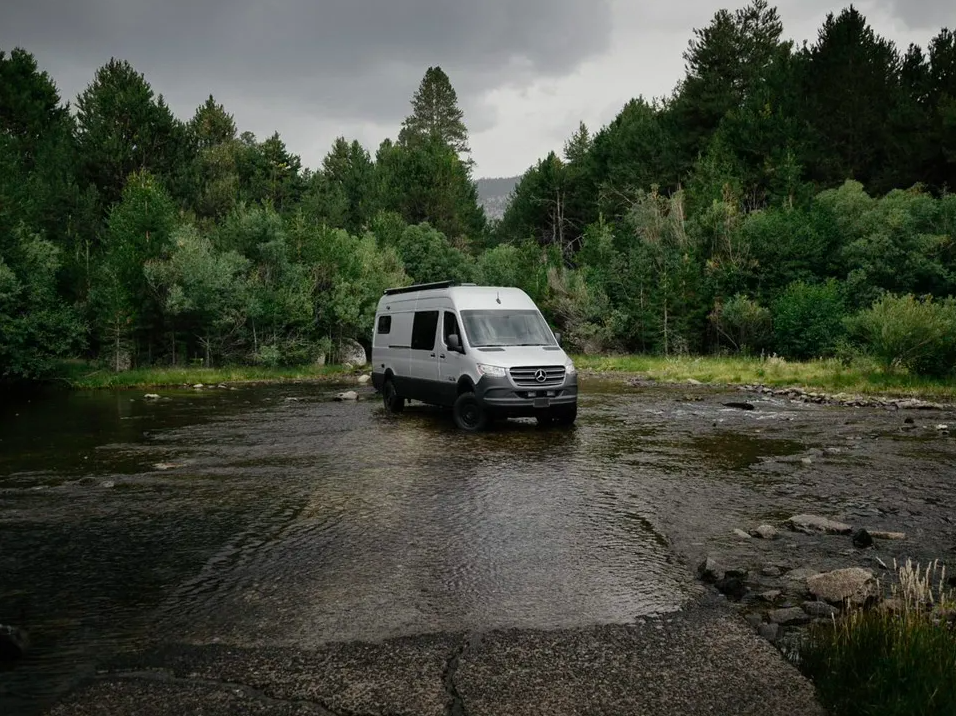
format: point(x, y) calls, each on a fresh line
point(783, 199)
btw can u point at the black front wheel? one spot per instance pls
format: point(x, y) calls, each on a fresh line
point(566, 415)
point(393, 402)
point(469, 414)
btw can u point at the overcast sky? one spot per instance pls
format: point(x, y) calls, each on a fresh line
point(526, 71)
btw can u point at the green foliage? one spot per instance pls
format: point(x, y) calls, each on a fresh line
point(201, 289)
point(772, 176)
point(744, 323)
point(918, 334)
point(428, 256)
point(123, 128)
point(36, 329)
point(808, 320)
point(435, 114)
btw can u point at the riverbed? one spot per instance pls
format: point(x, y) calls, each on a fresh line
point(278, 517)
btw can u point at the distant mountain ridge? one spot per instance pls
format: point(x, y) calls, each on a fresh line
point(494, 193)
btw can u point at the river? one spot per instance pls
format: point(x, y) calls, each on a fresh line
point(276, 515)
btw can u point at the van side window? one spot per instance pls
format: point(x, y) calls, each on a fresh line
point(424, 328)
point(384, 324)
point(451, 327)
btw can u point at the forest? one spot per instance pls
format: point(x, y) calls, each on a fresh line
point(784, 199)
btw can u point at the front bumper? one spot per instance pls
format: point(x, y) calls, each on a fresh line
point(500, 395)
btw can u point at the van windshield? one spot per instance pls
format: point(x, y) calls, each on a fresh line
point(506, 328)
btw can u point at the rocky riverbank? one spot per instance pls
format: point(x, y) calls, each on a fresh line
point(780, 601)
point(845, 399)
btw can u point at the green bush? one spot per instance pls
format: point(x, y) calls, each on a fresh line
point(743, 322)
point(808, 320)
point(918, 334)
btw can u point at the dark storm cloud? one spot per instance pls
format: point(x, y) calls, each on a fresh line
point(358, 58)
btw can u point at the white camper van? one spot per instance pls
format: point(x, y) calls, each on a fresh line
point(484, 351)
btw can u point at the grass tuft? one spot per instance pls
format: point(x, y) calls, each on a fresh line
point(86, 377)
point(862, 377)
point(895, 659)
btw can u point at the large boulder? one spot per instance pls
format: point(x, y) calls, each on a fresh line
point(353, 353)
point(853, 585)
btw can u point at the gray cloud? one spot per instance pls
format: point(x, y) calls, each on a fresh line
point(358, 58)
point(923, 14)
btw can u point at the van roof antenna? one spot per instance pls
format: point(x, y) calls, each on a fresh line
point(498, 296)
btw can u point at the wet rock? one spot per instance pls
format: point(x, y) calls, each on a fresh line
point(363, 379)
point(353, 353)
point(198, 386)
point(754, 619)
point(739, 406)
point(108, 484)
point(165, 466)
point(853, 584)
point(710, 570)
point(692, 381)
point(765, 532)
point(740, 533)
point(771, 595)
point(820, 610)
point(862, 539)
point(348, 395)
point(793, 615)
point(151, 396)
point(86, 481)
point(770, 632)
point(813, 524)
point(771, 571)
point(14, 643)
point(732, 587)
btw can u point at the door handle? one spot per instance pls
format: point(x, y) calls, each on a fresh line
point(442, 356)
point(431, 355)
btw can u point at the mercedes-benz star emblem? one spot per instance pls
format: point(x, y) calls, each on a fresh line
point(540, 375)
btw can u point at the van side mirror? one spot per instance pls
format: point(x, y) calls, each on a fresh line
point(557, 337)
point(454, 343)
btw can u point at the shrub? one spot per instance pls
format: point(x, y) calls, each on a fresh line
point(918, 334)
point(893, 660)
point(743, 322)
point(808, 320)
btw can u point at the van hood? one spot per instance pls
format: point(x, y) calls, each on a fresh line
point(511, 356)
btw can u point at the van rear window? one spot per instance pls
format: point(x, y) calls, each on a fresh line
point(384, 324)
point(424, 328)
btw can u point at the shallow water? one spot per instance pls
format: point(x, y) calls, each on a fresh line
point(274, 515)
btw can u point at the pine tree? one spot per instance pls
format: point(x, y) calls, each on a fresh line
point(435, 114)
point(212, 125)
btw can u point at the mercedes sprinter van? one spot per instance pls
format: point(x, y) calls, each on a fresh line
point(484, 351)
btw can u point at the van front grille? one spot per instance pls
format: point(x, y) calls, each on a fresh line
point(531, 377)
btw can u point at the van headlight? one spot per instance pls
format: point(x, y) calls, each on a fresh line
point(493, 371)
point(569, 368)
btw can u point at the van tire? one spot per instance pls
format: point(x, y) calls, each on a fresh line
point(566, 415)
point(393, 402)
point(469, 414)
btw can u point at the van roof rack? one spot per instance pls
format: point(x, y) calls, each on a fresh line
point(423, 287)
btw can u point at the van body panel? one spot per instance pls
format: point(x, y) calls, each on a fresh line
point(509, 356)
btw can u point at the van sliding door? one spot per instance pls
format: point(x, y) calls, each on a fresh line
point(423, 366)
